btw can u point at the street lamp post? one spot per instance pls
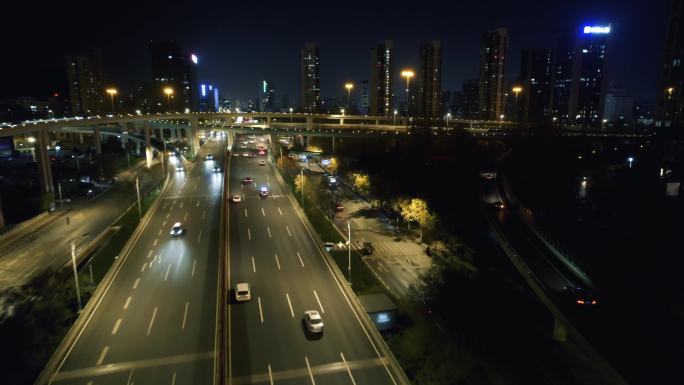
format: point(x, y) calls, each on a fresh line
point(112, 92)
point(408, 74)
point(290, 116)
point(168, 91)
point(137, 189)
point(349, 251)
point(349, 87)
point(73, 264)
point(448, 116)
point(501, 117)
point(516, 90)
point(301, 176)
point(394, 122)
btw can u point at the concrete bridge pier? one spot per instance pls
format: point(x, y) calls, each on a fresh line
point(47, 187)
point(193, 139)
point(309, 123)
point(98, 140)
point(148, 145)
point(230, 138)
point(560, 331)
point(333, 144)
point(137, 147)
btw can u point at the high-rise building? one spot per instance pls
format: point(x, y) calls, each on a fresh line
point(267, 96)
point(670, 108)
point(618, 107)
point(86, 84)
point(457, 104)
point(471, 99)
point(579, 75)
point(365, 104)
point(382, 78)
point(176, 70)
point(493, 49)
point(310, 79)
point(445, 103)
point(535, 78)
point(430, 80)
point(208, 98)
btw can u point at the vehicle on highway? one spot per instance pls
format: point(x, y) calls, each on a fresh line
point(262, 163)
point(339, 207)
point(498, 205)
point(251, 155)
point(247, 180)
point(313, 321)
point(242, 292)
point(263, 192)
point(262, 152)
point(235, 154)
point(209, 157)
point(217, 169)
point(245, 154)
point(579, 295)
point(236, 199)
point(177, 230)
point(179, 168)
point(367, 248)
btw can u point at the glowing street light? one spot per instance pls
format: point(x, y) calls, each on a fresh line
point(670, 90)
point(169, 92)
point(112, 92)
point(448, 116)
point(408, 74)
point(395, 117)
point(349, 87)
point(31, 139)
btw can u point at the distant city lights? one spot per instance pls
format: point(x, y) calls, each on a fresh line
point(194, 58)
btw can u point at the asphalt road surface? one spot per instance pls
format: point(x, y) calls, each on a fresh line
point(156, 323)
point(271, 249)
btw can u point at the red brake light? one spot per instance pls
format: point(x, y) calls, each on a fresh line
point(579, 301)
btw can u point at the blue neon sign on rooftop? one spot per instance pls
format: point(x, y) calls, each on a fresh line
point(597, 29)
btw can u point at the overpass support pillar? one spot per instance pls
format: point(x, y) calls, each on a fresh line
point(193, 139)
point(560, 331)
point(377, 122)
point(137, 147)
point(47, 188)
point(148, 145)
point(98, 140)
point(268, 120)
point(309, 123)
point(333, 144)
point(341, 121)
point(80, 138)
point(230, 138)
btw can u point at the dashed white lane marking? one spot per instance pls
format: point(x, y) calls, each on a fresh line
point(277, 261)
point(168, 215)
point(300, 259)
point(128, 302)
point(116, 326)
point(204, 214)
point(281, 213)
point(135, 284)
point(155, 242)
point(249, 234)
point(263, 212)
point(164, 223)
point(270, 374)
point(173, 379)
point(102, 355)
point(194, 264)
point(181, 205)
point(261, 313)
point(348, 370)
point(199, 237)
point(185, 314)
point(159, 232)
point(308, 367)
point(149, 328)
point(269, 184)
point(167, 272)
point(290, 304)
point(245, 213)
point(185, 217)
point(197, 205)
point(150, 253)
point(269, 231)
point(319, 302)
point(143, 267)
point(288, 231)
point(253, 265)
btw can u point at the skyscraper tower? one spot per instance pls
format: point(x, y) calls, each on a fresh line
point(588, 89)
point(310, 79)
point(176, 70)
point(267, 99)
point(382, 75)
point(670, 109)
point(86, 84)
point(492, 74)
point(535, 77)
point(430, 80)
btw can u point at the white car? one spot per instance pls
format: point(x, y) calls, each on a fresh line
point(245, 154)
point(236, 199)
point(235, 154)
point(313, 321)
point(177, 230)
point(262, 162)
point(242, 292)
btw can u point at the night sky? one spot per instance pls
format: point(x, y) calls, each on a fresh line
point(240, 44)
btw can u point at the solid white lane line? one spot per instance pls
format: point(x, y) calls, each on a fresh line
point(167, 272)
point(185, 314)
point(204, 214)
point(130, 376)
point(102, 355)
point(261, 313)
point(194, 264)
point(128, 301)
point(348, 370)
point(263, 212)
point(149, 328)
point(155, 242)
point(270, 374)
point(319, 302)
point(269, 231)
point(277, 261)
point(143, 267)
point(288, 231)
point(173, 379)
point(290, 304)
point(253, 265)
point(308, 367)
point(281, 213)
point(199, 236)
point(135, 284)
point(159, 233)
point(300, 259)
point(116, 326)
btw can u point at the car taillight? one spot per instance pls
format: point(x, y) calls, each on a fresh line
point(593, 302)
point(579, 301)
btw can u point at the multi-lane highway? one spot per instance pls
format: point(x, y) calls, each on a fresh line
point(272, 250)
point(156, 322)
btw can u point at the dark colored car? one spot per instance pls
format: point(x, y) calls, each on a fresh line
point(579, 296)
point(367, 248)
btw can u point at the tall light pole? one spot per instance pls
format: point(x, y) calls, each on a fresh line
point(408, 74)
point(349, 87)
point(301, 176)
point(73, 264)
point(448, 116)
point(290, 117)
point(168, 91)
point(349, 251)
point(394, 122)
point(137, 189)
point(516, 90)
point(112, 92)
